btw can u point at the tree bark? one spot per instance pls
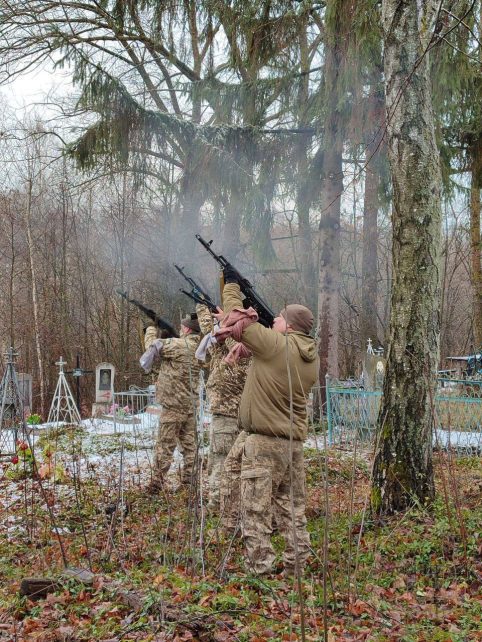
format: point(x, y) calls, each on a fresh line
point(328, 299)
point(403, 471)
point(232, 225)
point(369, 287)
point(305, 232)
point(304, 193)
point(35, 299)
point(475, 240)
point(188, 220)
point(329, 227)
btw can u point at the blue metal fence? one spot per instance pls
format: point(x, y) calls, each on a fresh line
point(352, 414)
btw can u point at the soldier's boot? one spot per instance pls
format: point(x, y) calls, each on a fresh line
point(158, 480)
point(155, 486)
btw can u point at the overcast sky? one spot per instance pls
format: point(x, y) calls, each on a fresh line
point(30, 91)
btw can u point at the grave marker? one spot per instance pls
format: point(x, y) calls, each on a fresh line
point(104, 388)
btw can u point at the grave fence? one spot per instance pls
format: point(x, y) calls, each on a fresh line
point(352, 414)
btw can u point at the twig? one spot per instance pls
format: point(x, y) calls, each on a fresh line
point(292, 504)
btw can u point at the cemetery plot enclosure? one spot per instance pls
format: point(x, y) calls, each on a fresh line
point(352, 414)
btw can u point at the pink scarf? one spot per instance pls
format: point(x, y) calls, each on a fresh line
point(233, 325)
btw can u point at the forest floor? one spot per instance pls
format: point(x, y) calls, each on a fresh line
point(165, 571)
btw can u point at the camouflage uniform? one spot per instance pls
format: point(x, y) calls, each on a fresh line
point(230, 485)
point(177, 392)
point(224, 388)
point(266, 480)
point(273, 414)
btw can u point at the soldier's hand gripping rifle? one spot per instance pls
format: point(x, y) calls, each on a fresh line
point(160, 322)
point(251, 297)
point(196, 294)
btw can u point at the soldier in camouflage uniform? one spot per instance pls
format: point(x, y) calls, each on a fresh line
point(273, 413)
point(224, 388)
point(177, 392)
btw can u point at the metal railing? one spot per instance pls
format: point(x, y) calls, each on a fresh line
point(130, 407)
point(352, 414)
point(138, 407)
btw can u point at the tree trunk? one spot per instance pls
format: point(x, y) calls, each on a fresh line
point(329, 227)
point(35, 302)
point(188, 220)
point(403, 471)
point(232, 225)
point(328, 300)
point(305, 232)
point(369, 288)
point(304, 193)
point(475, 240)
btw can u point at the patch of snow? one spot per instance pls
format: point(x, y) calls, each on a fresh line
point(470, 441)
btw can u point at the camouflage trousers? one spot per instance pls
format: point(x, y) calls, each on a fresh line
point(171, 434)
point(222, 435)
point(230, 484)
point(267, 482)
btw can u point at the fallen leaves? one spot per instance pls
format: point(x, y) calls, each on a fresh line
point(410, 577)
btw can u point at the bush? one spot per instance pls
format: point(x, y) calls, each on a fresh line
point(34, 420)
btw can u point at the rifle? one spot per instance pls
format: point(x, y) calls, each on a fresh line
point(196, 294)
point(161, 323)
point(252, 298)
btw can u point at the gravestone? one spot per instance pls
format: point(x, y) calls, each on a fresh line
point(104, 388)
point(25, 387)
point(374, 365)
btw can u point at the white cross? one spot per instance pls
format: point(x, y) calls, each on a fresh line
point(369, 347)
point(61, 363)
point(10, 354)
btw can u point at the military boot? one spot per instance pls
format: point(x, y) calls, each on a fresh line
point(155, 486)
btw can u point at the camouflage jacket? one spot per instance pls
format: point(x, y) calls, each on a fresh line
point(177, 388)
point(225, 382)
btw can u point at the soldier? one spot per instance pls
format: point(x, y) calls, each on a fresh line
point(273, 413)
point(224, 387)
point(177, 392)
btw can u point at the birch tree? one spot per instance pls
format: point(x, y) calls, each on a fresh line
point(403, 471)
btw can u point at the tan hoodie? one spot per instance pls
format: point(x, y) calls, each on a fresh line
point(265, 402)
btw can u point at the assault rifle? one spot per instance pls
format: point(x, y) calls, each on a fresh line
point(251, 297)
point(161, 323)
point(196, 294)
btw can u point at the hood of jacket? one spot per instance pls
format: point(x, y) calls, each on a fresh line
point(306, 346)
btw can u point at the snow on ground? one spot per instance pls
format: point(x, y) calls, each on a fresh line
point(120, 454)
point(465, 442)
point(102, 443)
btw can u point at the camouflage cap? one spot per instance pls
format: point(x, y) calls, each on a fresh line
point(190, 321)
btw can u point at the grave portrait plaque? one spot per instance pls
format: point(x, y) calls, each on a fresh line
point(104, 383)
point(374, 364)
point(104, 389)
